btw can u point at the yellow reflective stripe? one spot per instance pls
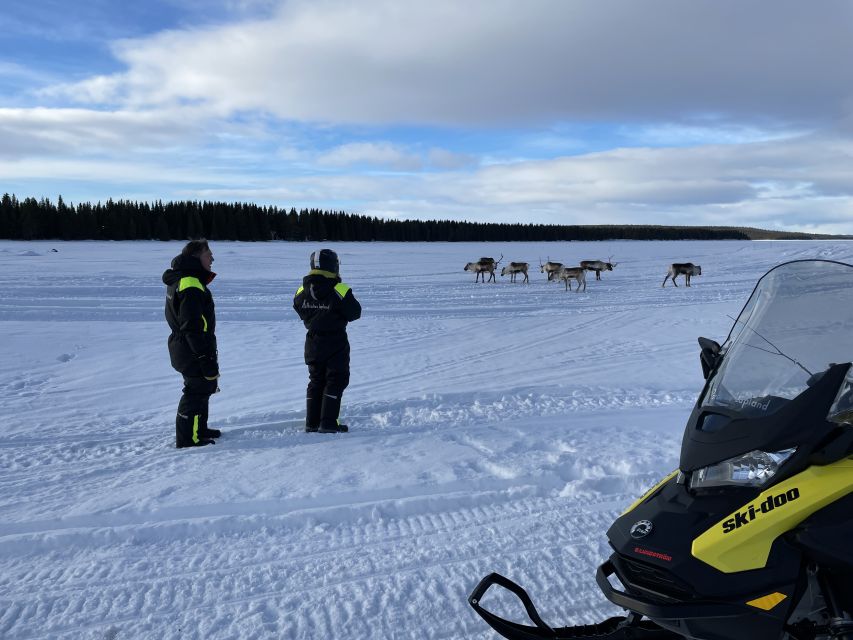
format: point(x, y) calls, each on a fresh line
point(768, 601)
point(189, 282)
point(342, 289)
point(643, 497)
point(203, 319)
point(195, 429)
point(742, 540)
point(320, 272)
point(300, 290)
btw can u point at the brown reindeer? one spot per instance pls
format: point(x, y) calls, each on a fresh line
point(572, 273)
point(598, 266)
point(482, 266)
point(687, 269)
point(550, 268)
point(513, 269)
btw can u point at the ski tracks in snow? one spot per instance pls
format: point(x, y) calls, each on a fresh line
point(495, 427)
point(521, 498)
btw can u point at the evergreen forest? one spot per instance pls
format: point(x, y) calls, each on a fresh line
point(32, 219)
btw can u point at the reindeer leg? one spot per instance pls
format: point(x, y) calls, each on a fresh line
point(664, 280)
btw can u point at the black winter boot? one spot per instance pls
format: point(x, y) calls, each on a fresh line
point(329, 422)
point(188, 432)
point(313, 411)
point(210, 433)
point(202, 442)
point(336, 427)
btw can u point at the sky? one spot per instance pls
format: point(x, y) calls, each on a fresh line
point(717, 112)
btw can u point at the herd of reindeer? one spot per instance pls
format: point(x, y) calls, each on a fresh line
point(558, 271)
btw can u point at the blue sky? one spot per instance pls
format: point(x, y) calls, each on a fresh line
point(552, 111)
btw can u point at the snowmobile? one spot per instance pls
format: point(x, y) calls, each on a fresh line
point(751, 538)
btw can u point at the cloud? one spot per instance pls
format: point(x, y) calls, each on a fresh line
point(112, 172)
point(393, 156)
point(789, 183)
point(727, 113)
point(80, 132)
point(710, 185)
point(381, 154)
point(444, 159)
point(500, 61)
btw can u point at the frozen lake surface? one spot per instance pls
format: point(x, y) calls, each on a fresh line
point(494, 427)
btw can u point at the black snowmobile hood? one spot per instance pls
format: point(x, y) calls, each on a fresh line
point(187, 267)
point(320, 284)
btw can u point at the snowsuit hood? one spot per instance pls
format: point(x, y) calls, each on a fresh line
point(187, 266)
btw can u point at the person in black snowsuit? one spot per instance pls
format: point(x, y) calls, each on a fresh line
point(325, 306)
point(192, 344)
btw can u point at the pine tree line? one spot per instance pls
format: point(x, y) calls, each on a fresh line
point(32, 219)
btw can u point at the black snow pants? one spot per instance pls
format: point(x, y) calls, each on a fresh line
point(327, 357)
point(191, 421)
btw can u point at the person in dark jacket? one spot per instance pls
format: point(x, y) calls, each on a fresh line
point(192, 344)
point(325, 306)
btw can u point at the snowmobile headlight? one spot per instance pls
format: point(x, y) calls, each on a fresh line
point(751, 469)
point(841, 411)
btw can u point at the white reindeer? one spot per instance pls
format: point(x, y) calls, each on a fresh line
point(550, 268)
point(598, 266)
point(483, 266)
point(572, 273)
point(513, 269)
point(687, 269)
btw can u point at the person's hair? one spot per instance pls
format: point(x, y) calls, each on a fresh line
point(195, 247)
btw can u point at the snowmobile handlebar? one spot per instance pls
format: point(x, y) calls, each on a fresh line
point(541, 630)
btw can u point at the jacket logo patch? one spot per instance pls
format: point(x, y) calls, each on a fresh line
point(743, 518)
point(308, 305)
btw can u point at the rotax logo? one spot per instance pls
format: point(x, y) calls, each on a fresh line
point(771, 502)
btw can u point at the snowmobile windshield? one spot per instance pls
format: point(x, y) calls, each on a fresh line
point(798, 322)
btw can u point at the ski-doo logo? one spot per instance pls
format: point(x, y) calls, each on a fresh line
point(641, 529)
point(749, 514)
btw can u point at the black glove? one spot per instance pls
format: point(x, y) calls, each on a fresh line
point(209, 367)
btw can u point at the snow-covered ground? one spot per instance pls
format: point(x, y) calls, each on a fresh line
point(495, 427)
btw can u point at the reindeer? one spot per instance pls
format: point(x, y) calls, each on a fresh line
point(687, 269)
point(598, 266)
point(482, 266)
point(572, 273)
point(550, 268)
point(513, 269)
